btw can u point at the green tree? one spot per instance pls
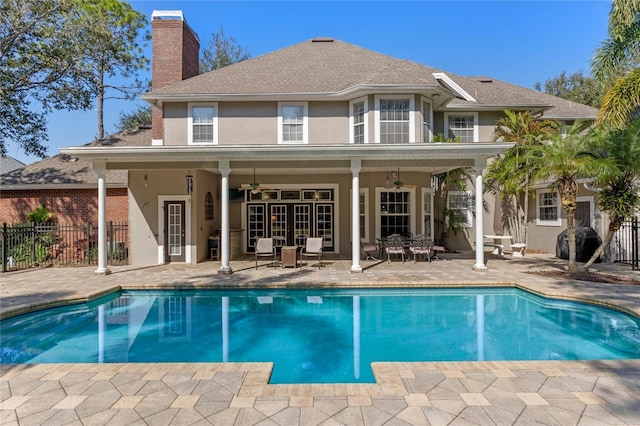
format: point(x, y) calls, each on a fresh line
point(510, 175)
point(113, 55)
point(618, 183)
point(63, 54)
point(616, 65)
point(40, 69)
point(133, 119)
point(577, 88)
point(221, 51)
point(561, 161)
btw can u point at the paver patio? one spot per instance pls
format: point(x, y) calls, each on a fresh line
point(457, 393)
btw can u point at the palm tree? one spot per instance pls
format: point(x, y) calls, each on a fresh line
point(509, 176)
point(619, 182)
point(616, 65)
point(562, 161)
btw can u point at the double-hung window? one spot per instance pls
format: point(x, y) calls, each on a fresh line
point(293, 122)
point(203, 124)
point(357, 119)
point(394, 120)
point(463, 127)
point(460, 208)
point(548, 208)
point(427, 130)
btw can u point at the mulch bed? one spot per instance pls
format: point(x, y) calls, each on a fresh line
point(596, 277)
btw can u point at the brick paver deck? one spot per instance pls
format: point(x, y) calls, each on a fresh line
point(457, 393)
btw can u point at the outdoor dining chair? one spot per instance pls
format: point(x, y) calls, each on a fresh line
point(368, 249)
point(394, 244)
point(265, 248)
point(421, 245)
point(313, 248)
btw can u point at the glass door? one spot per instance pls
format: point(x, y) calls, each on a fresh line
point(255, 224)
point(174, 232)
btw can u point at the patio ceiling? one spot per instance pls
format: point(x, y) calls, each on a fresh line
point(283, 159)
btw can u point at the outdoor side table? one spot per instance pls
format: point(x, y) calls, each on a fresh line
point(289, 256)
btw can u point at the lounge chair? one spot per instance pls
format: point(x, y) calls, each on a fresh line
point(421, 245)
point(394, 244)
point(265, 248)
point(368, 248)
point(313, 248)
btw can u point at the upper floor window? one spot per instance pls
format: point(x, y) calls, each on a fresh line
point(394, 120)
point(293, 122)
point(548, 208)
point(357, 118)
point(462, 126)
point(203, 124)
point(427, 129)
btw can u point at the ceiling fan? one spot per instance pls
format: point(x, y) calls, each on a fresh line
point(254, 186)
point(397, 182)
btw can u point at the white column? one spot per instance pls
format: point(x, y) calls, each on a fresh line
point(223, 166)
point(479, 265)
point(100, 168)
point(356, 165)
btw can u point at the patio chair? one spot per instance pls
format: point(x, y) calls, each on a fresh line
point(394, 244)
point(265, 248)
point(421, 245)
point(367, 248)
point(313, 248)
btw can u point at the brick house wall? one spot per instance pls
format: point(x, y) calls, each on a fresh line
point(69, 206)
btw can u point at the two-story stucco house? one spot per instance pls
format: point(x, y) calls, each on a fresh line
point(303, 142)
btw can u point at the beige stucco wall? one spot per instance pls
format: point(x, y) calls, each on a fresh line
point(328, 122)
point(175, 124)
point(247, 123)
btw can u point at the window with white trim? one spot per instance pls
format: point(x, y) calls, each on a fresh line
point(394, 120)
point(427, 119)
point(293, 122)
point(357, 119)
point(548, 208)
point(460, 205)
point(203, 123)
point(395, 213)
point(462, 126)
point(364, 214)
point(427, 209)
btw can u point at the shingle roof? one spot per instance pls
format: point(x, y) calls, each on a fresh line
point(313, 66)
point(329, 66)
point(489, 91)
point(9, 163)
point(63, 170)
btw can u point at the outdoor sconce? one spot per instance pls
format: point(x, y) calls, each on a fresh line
point(188, 180)
point(146, 180)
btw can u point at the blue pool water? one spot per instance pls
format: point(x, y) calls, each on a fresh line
point(320, 336)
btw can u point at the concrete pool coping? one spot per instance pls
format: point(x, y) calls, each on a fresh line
point(511, 392)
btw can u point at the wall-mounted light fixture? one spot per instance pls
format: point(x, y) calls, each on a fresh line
point(188, 180)
point(146, 179)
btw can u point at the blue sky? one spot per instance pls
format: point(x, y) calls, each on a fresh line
point(521, 42)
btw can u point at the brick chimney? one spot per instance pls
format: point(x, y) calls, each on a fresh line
point(175, 51)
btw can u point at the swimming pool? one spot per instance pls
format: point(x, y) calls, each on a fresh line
point(320, 336)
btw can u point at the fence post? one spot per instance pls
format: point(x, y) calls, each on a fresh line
point(88, 255)
point(111, 243)
point(5, 241)
point(33, 245)
point(635, 255)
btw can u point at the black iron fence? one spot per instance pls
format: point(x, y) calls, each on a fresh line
point(626, 243)
point(29, 245)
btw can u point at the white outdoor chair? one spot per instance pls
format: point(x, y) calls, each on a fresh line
point(421, 245)
point(265, 248)
point(313, 248)
point(394, 244)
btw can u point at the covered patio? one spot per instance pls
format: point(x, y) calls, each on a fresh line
point(330, 161)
